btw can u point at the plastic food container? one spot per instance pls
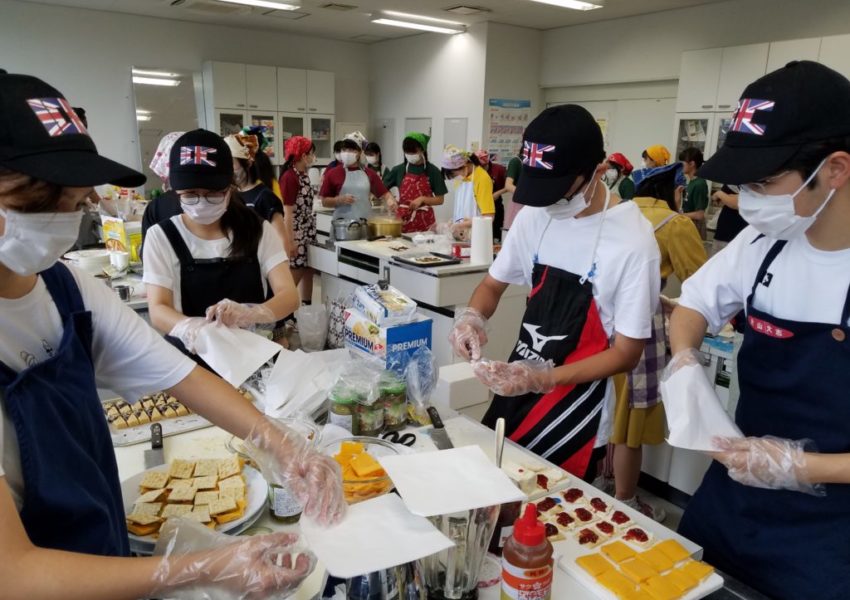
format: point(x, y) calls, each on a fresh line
point(357, 488)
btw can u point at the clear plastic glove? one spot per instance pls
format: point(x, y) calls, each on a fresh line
point(201, 564)
point(683, 358)
point(187, 331)
point(286, 458)
point(767, 462)
point(516, 378)
point(233, 314)
point(469, 334)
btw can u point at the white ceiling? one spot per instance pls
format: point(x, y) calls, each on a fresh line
point(355, 25)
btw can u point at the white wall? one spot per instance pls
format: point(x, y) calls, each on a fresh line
point(88, 55)
point(430, 75)
point(649, 47)
point(513, 67)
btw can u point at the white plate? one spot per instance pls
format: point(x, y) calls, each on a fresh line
point(257, 498)
point(87, 255)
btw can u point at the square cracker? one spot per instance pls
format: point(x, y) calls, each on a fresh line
point(206, 498)
point(200, 514)
point(232, 482)
point(222, 505)
point(154, 480)
point(235, 493)
point(184, 493)
point(151, 496)
point(229, 467)
point(176, 510)
point(205, 483)
point(182, 469)
point(143, 519)
point(206, 467)
point(150, 509)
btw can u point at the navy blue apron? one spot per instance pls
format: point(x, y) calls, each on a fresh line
point(794, 378)
point(207, 281)
point(72, 495)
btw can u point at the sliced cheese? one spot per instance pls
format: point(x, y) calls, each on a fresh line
point(366, 466)
point(594, 564)
point(617, 551)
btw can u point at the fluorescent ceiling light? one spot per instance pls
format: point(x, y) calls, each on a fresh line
point(140, 117)
point(155, 81)
point(419, 26)
point(573, 4)
point(264, 4)
point(142, 111)
point(402, 15)
point(155, 73)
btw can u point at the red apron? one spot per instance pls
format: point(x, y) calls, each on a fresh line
point(412, 187)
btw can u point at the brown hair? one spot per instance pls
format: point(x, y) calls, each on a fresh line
point(27, 194)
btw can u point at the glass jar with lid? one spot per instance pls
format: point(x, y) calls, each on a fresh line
point(392, 396)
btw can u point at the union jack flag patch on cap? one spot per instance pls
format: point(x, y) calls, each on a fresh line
point(197, 155)
point(533, 153)
point(742, 121)
point(57, 116)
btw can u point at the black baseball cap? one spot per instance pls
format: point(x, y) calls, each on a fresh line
point(42, 136)
point(801, 103)
point(560, 144)
point(200, 159)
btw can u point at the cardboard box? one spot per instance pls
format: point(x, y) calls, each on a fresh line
point(388, 345)
point(383, 306)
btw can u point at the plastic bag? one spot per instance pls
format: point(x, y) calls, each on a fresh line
point(336, 321)
point(312, 327)
point(201, 564)
point(421, 373)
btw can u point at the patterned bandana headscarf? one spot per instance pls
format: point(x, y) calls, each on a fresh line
point(454, 158)
point(243, 146)
point(296, 147)
point(159, 163)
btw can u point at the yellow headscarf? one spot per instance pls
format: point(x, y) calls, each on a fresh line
point(659, 154)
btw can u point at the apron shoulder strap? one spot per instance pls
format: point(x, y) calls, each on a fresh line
point(63, 289)
point(765, 264)
point(665, 221)
point(176, 241)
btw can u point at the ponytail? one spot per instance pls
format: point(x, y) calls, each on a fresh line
point(243, 226)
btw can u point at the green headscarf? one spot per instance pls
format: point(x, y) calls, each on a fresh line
point(420, 138)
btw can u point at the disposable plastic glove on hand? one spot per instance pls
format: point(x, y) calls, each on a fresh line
point(767, 462)
point(469, 334)
point(187, 331)
point(201, 564)
point(286, 458)
point(233, 314)
point(516, 378)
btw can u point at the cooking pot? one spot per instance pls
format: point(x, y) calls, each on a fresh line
point(384, 226)
point(347, 230)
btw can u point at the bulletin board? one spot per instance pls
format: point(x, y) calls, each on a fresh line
point(508, 120)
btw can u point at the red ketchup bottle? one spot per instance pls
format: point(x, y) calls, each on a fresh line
point(527, 560)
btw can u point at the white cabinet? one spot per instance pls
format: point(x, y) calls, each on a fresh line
point(835, 53)
point(261, 87)
point(300, 91)
point(319, 128)
point(741, 65)
point(229, 121)
point(698, 78)
point(292, 90)
point(695, 130)
point(781, 53)
point(320, 92)
point(228, 84)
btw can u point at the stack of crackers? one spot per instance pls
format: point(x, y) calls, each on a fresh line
point(212, 492)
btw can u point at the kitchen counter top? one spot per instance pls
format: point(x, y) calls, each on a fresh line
point(211, 443)
point(388, 249)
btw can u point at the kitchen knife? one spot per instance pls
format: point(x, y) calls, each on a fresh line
point(438, 434)
point(155, 456)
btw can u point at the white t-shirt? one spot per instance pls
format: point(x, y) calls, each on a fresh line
point(129, 356)
point(627, 280)
point(162, 267)
point(807, 284)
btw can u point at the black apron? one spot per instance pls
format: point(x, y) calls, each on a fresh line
point(562, 324)
point(207, 281)
point(794, 378)
point(72, 494)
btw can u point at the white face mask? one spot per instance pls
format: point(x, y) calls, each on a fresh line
point(774, 215)
point(413, 159)
point(568, 208)
point(204, 213)
point(348, 158)
point(372, 160)
point(32, 242)
point(240, 176)
point(611, 176)
point(338, 156)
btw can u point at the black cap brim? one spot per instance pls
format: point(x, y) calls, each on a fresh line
point(534, 191)
point(737, 166)
point(75, 168)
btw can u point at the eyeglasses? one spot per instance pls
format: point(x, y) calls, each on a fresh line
point(193, 199)
point(761, 186)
